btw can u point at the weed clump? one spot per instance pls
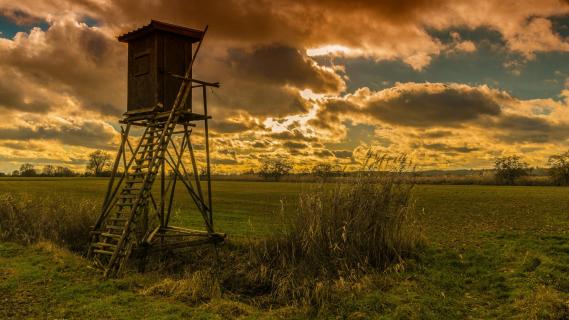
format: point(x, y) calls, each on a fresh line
point(341, 232)
point(26, 219)
point(193, 287)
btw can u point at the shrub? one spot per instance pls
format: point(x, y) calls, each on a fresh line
point(509, 169)
point(559, 168)
point(28, 170)
point(26, 220)
point(275, 169)
point(324, 171)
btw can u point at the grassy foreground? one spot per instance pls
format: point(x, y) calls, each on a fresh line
point(492, 252)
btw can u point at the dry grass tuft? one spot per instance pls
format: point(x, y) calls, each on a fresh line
point(544, 303)
point(198, 286)
point(26, 219)
point(228, 309)
point(340, 233)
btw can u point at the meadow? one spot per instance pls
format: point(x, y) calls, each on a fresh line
point(489, 252)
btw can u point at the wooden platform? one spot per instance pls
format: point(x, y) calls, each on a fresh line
point(170, 238)
point(141, 116)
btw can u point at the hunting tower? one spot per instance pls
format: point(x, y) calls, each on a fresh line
point(135, 216)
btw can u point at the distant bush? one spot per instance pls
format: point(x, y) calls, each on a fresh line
point(27, 219)
point(509, 169)
point(27, 170)
point(275, 169)
point(559, 168)
point(325, 171)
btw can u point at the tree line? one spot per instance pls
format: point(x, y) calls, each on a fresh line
point(98, 165)
point(508, 170)
point(512, 168)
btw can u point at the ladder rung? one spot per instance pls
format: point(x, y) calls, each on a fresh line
point(119, 219)
point(150, 144)
point(128, 192)
point(114, 227)
point(103, 244)
point(128, 196)
point(103, 252)
point(111, 235)
point(125, 204)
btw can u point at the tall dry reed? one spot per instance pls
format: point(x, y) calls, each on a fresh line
point(66, 222)
point(342, 231)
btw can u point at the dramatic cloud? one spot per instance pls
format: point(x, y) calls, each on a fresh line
point(286, 86)
point(286, 66)
point(421, 104)
point(393, 30)
point(88, 133)
point(69, 61)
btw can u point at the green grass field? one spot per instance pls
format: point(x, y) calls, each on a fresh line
point(492, 252)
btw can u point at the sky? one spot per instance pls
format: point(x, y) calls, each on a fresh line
point(452, 84)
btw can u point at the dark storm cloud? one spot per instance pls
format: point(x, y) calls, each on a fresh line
point(281, 64)
point(449, 107)
point(437, 134)
point(228, 126)
point(11, 97)
point(290, 21)
point(446, 148)
point(524, 123)
point(232, 126)
point(89, 134)
point(323, 153)
point(344, 154)
point(421, 104)
point(519, 128)
point(264, 80)
point(68, 60)
point(260, 144)
point(292, 136)
point(295, 145)
point(84, 67)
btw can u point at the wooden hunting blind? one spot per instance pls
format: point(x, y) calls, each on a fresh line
point(135, 216)
point(156, 53)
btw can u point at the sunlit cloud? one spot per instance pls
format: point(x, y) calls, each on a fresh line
point(334, 49)
point(288, 85)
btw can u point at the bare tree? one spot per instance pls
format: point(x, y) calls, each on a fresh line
point(27, 170)
point(48, 170)
point(559, 168)
point(509, 169)
point(99, 161)
point(275, 169)
point(324, 171)
point(62, 171)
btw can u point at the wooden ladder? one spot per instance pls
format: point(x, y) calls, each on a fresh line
point(112, 243)
point(117, 236)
